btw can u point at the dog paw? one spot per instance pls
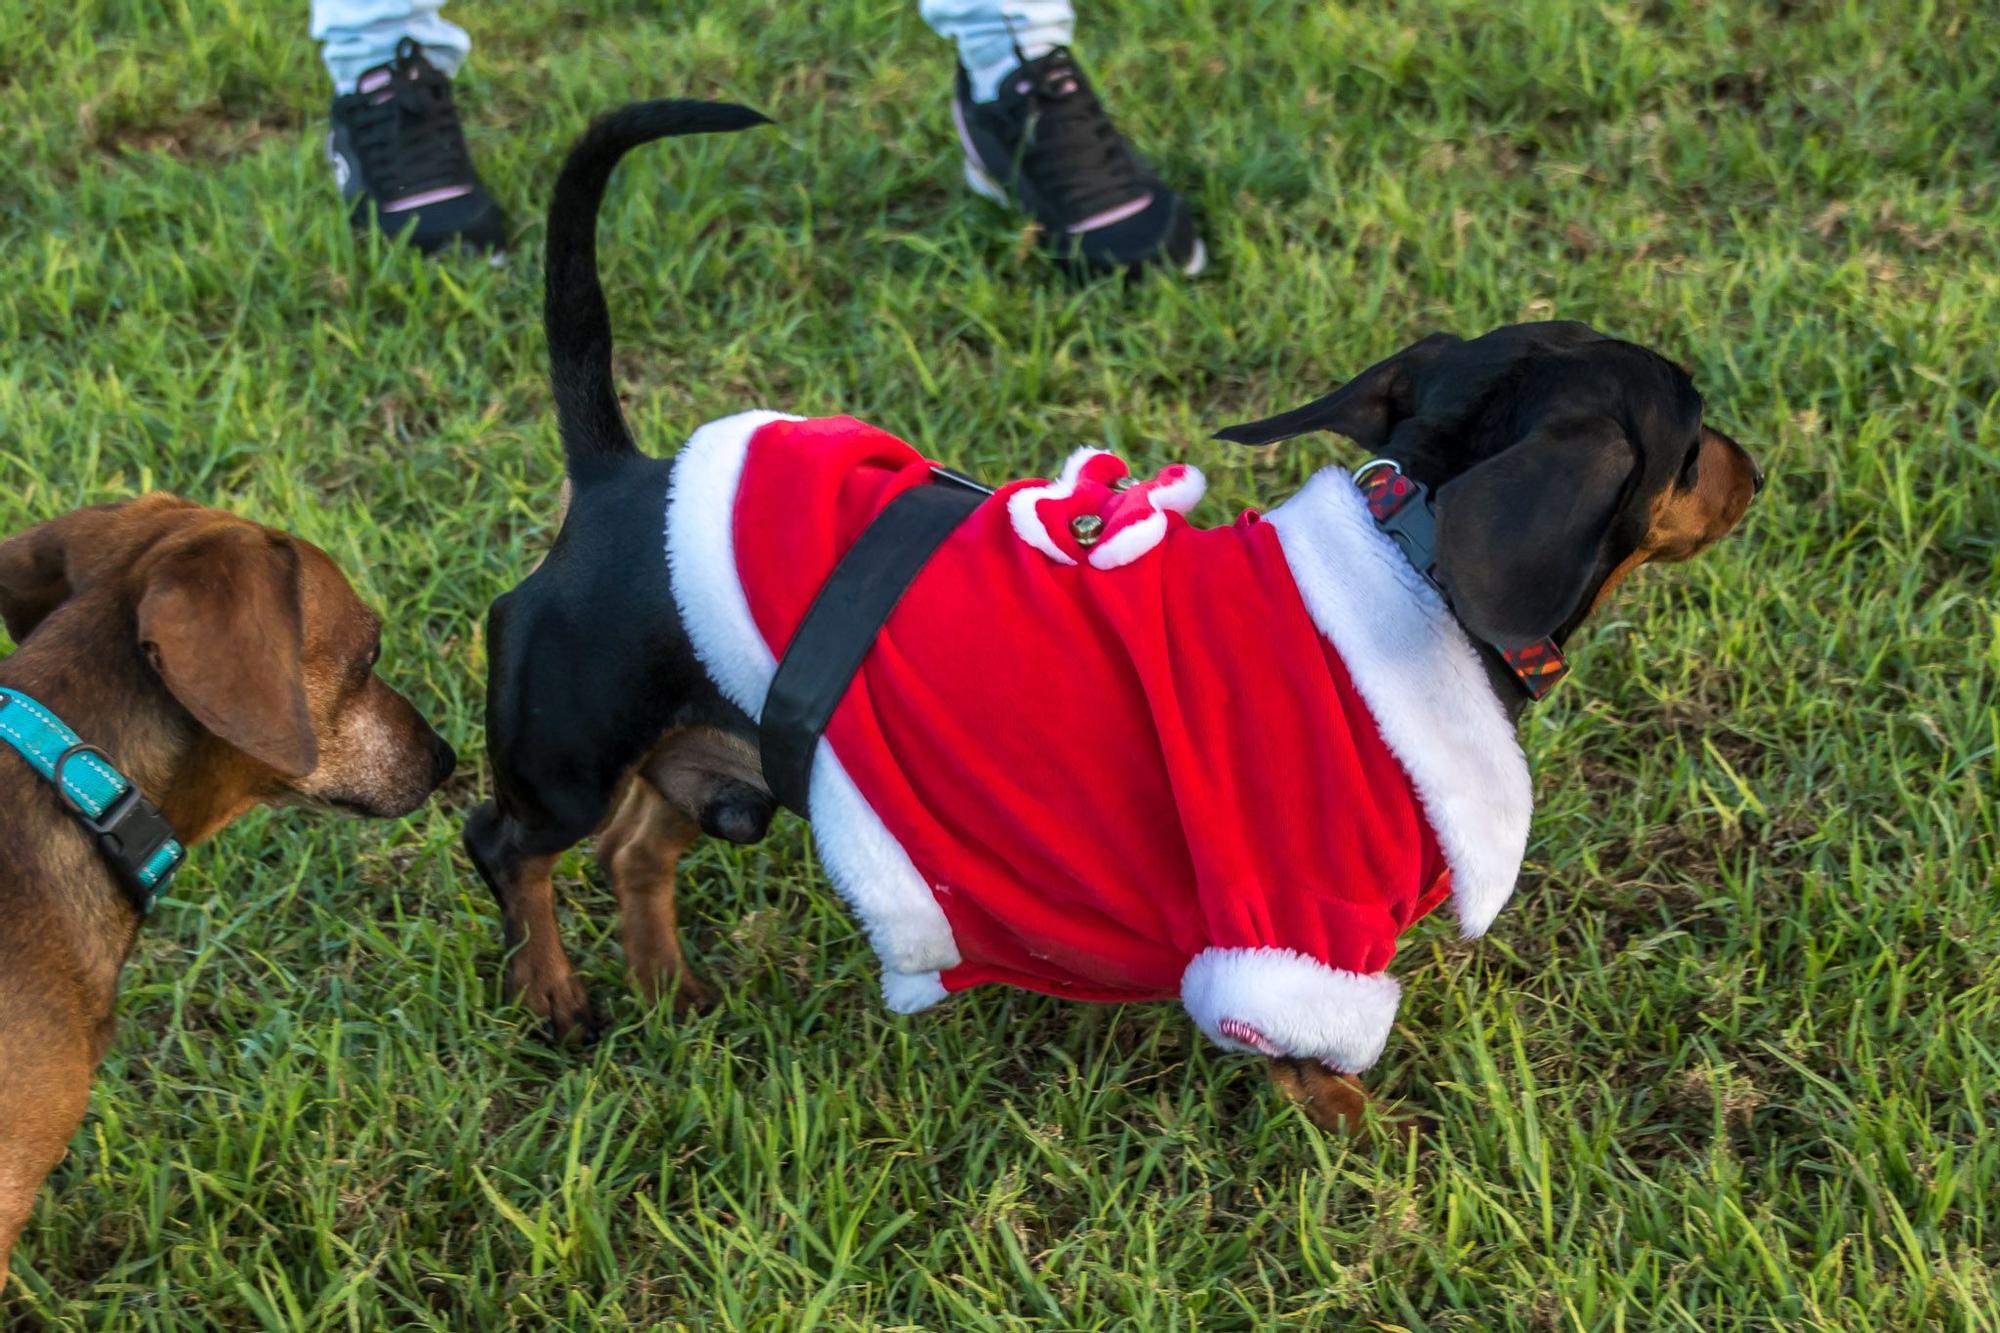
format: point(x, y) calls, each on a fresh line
point(571, 1021)
point(1337, 1102)
point(692, 995)
point(560, 1001)
point(688, 993)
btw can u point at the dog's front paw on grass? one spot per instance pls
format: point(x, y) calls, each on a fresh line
point(1337, 1102)
point(558, 999)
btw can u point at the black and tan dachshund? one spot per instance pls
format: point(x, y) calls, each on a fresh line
point(1559, 460)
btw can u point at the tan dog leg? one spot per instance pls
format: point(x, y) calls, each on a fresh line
point(43, 1095)
point(539, 974)
point(640, 849)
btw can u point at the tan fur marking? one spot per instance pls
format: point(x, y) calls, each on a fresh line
point(640, 850)
point(539, 974)
point(1686, 522)
point(687, 766)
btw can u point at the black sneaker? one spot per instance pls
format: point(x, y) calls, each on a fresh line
point(1046, 146)
point(399, 157)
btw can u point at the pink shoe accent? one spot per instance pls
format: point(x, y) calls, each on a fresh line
point(1239, 1031)
point(437, 196)
point(1110, 215)
point(373, 79)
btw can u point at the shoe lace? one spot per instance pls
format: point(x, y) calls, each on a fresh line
point(408, 134)
point(1071, 148)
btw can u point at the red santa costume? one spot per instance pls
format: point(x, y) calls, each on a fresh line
point(1103, 754)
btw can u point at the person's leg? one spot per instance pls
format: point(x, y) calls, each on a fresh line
point(355, 36)
point(1036, 137)
point(397, 150)
point(994, 36)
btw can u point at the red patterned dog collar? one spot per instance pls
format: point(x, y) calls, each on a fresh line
point(1389, 494)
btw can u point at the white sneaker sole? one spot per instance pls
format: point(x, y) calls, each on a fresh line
point(986, 187)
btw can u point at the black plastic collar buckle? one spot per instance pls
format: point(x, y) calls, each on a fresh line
point(1414, 528)
point(129, 833)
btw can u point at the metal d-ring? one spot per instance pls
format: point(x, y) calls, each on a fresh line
point(62, 790)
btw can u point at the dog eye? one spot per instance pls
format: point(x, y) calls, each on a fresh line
point(374, 654)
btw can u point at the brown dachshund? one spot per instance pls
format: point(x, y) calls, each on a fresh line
point(217, 664)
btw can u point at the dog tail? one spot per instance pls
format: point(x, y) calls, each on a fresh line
point(573, 310)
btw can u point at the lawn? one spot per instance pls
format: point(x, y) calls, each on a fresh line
point(1730, 1060)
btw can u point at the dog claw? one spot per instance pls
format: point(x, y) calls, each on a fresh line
point(574, 1024)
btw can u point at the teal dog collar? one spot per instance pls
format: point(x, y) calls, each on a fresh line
point(128, 829)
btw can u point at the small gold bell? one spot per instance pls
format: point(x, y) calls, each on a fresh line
point(1086, 528)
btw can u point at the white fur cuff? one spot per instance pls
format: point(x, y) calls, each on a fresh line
point(911, 992)
point(1277, 1002)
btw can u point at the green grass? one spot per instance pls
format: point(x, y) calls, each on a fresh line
point(1730, 1060)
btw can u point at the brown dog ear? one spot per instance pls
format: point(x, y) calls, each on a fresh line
point(220, 622)
point(1519, 536)
point(1365, 409)
point(43, 567)
point(34, 577)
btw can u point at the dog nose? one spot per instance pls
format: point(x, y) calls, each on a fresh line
point(1749, 461)
point(443, 760)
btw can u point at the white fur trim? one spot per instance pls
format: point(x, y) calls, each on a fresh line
point(865, 863)
point(911, 993)
point(1130, 542)
point(1277, 1002)
point(875, 874)
point(1180, 496)
point(1133, 541)
point(1021, 504)
point(701, 558)
point(1422, 681)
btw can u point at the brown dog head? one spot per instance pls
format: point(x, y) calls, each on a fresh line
point(1561, 460)
point(256, 635)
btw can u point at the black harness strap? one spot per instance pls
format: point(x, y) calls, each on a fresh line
point(841, 624)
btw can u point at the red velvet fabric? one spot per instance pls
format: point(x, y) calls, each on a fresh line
point(1100, 772)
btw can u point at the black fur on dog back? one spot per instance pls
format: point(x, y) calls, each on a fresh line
point(579, 326)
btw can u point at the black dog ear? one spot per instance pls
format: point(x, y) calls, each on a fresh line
point(1519, 536)
point(1365, 409)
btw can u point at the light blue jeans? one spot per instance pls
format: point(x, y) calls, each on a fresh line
point(356, 35)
